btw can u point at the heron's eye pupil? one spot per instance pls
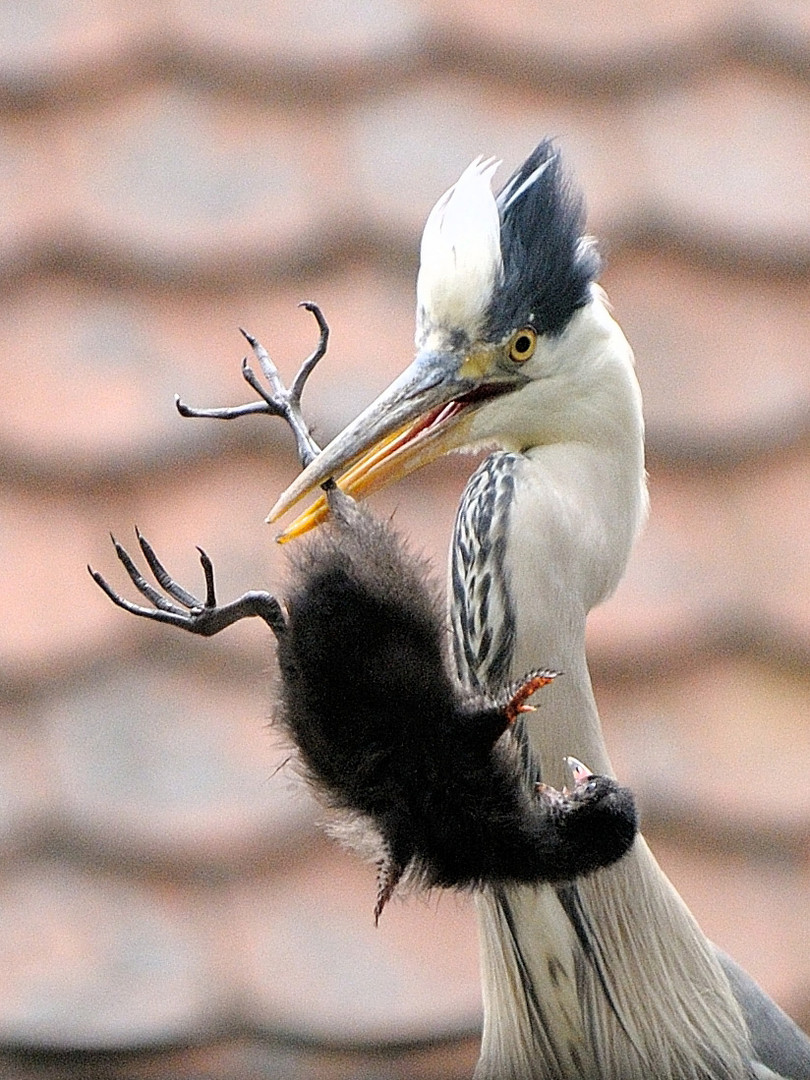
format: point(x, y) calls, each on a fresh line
point(523, 345)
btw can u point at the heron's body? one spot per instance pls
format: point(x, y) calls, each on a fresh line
point(592, 964)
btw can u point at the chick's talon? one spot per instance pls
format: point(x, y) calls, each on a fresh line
point(517, 704)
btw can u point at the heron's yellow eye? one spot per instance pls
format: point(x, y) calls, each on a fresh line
point(523, 344)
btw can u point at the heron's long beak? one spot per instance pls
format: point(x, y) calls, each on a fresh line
point(419, 417)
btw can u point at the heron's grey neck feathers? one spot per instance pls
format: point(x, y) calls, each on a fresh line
point(483, 615)
point(525, 1009)
point(656, 1019)
point(673, 1015)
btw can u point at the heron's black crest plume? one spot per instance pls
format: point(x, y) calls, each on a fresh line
point(547, 264)
point(386, 732)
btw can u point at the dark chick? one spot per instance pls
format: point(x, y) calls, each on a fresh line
point(387, 732)
point(384, 728)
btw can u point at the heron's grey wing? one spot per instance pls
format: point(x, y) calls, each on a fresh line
point(779, 1044)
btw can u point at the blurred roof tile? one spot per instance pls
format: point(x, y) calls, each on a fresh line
point(586, 30)
point(254, 1058)
point(26, 782)
point(33, 206)
point(712, 747)
point(771, 504)
point(174, 768)
point(176, 169)
point(43, 549)
point(676, 587)
point(323, 33)
point(123, 356)
point(724, 562)
point(784, 30)
point(110, 390)
point(408, 146)
point(727, 158)
point(268, 160)
point(370, 313)
point(172, 183)
point(695, 332)
point(92, 962)
point(314, 963)
point(53, 41)
point(62, 618)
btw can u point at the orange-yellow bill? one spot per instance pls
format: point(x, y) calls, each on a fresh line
point(391, 458)
point(423, 414)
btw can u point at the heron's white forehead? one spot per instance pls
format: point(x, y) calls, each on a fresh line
point(461, 263)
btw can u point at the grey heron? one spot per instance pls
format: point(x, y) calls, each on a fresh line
point(608, 977)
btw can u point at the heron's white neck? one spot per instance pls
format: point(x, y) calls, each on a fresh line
point(580, 498)
point(578, 512)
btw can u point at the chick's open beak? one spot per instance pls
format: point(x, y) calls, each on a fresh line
point(423, 414)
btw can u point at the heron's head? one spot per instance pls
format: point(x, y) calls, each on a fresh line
point(503, 282)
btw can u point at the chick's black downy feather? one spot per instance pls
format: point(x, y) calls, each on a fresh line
point(386, 732)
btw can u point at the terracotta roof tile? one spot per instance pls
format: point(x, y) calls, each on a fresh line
point(314, 964)
point(44, 548)
point(327, 33)
point(174, 176)
point(723, 564)
point(783, 33)
point(586, 30)
point(58, 44)
point(173, 768)
point(711, 746)
point(721, 356)
point(123, 356)
point(95, 962)
point(408, 146)
point(62, 617)
point(113, 387)
point(167, 185)
point(370, 313)
point(119, 964)
point(26, 784)
point(776, 555)
point(252, 1058)
point(676, 592)
point(168, 177)
point(737, 177)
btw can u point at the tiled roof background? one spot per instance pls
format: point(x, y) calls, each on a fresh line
point(172, 170)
